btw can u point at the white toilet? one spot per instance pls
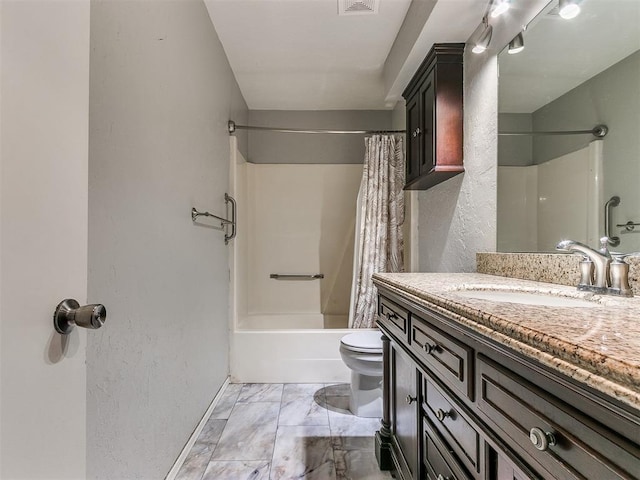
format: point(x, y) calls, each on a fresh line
point(362, 353)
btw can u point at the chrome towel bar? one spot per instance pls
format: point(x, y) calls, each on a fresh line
point(223, 221)
point(286, 276)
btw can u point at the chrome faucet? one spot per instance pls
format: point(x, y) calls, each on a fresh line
point(611, 273)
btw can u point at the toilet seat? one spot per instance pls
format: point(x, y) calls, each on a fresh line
point(363, 342)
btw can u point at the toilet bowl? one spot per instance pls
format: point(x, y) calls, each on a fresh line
point(362, 353)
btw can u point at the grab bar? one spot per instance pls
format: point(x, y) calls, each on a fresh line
point(223, 221)
point(612, 202)
point(286, 276)
point(229, 199)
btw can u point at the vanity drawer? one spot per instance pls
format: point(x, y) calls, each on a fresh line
point(398, 317)
point(448, 358)
point(446, 417)
point(436, 466)
point(526, 414)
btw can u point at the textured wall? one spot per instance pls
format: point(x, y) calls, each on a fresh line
point(272, 147)
point(161, 94)
point(457, 218)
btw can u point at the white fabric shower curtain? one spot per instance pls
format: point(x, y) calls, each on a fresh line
point(379, 219)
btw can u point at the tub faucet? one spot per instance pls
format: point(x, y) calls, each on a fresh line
point(610, 278)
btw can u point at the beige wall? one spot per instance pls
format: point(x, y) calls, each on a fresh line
point(161, 94)
point(301, 220)
point(44, 96)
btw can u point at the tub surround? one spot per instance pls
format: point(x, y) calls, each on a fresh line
point(544, 267)
point(599, 347)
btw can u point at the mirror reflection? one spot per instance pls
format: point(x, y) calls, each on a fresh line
point(573, 75)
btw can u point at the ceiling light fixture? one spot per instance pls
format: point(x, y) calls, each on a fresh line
point(484, 33)
point(568, 9)
point(517, 44)
point(499, 7)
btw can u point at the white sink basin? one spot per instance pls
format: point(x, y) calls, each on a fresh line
point(528, 298)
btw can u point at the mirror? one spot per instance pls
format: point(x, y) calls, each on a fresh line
point(572, 76)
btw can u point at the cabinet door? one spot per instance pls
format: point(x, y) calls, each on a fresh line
point(405, 401)
point(426, 134)
point(413, 138)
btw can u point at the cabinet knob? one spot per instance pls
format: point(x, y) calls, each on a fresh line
point(409, 399)
point(429, 349)
point(541, 439)
point(441, 414)
point(418, 132)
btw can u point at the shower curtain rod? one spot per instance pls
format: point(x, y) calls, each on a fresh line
point(599, 131)
point(232, 126)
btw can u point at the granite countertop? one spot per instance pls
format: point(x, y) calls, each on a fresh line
point(598, 346)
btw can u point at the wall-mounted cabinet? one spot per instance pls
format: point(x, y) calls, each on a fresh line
point(434, 118)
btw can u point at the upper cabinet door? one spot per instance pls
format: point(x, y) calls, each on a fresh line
point(435, 95)
point(414, 140)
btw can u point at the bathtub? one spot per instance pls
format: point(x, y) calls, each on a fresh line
point(266, 349)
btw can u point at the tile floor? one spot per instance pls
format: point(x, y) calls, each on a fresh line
point(284, 431)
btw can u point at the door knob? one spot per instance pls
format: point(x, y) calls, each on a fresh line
point(69, 313)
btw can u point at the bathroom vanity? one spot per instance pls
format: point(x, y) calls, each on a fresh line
point(544, 384)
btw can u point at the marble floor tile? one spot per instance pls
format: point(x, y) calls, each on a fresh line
point(196, 462)
point(237, 470)
point(228, 399)
point(358, 465)
point(337, 389)
point(349, 432)
point(303, 405)
point(260, 392)
point(304, 453)
point(211, 432)
point(250, 432)
point(301, 390)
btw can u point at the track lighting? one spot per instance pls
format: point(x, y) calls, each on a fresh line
point(484, 33)
point(568, 9)
point(517, 44)
point(499, 7)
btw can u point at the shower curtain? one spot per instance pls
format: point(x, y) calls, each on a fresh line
point(379, 219)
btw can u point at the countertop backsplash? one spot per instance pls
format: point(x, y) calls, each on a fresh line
point(562, 269)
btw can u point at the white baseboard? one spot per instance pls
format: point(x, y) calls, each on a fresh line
point(196, 433)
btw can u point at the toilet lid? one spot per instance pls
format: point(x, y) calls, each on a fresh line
point(367, 341)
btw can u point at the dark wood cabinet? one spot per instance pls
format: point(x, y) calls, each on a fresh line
point(404, 413)
point(463, 406)
point(434, 112)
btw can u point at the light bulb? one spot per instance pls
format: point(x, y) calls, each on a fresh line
point(568, 9)
point(500, 7)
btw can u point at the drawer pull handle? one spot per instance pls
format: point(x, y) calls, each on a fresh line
point(429, 349)
point(441, 414)
point(409, 399)
point(442, 477)
point(541, 439)
point(392, 316)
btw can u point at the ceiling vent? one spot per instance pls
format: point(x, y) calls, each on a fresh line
point(357, 7)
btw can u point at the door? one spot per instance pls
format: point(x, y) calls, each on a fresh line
point(405, 408)
point(427, 105)
point(44, 105)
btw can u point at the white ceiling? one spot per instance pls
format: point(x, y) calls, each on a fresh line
point(302, 55)
point(561, 54)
